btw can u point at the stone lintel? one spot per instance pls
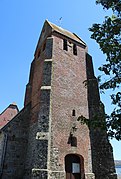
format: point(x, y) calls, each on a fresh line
point(41, 135)
point(48, 60)
point(45, 87)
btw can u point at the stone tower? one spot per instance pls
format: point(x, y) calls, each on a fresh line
point(52, 144)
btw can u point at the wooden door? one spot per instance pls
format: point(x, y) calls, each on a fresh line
point(72, 167)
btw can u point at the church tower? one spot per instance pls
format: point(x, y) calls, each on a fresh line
point(64, 148)
point(51, 142)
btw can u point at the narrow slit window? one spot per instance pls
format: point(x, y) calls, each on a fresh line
point(44, 45)
point(74, 49)
point(73, 112)
point(65, 47)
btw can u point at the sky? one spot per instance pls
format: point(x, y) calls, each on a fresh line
point(21, 22)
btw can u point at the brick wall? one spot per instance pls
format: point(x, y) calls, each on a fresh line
point(68, 93)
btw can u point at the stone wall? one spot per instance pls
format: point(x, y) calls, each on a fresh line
point(16, 132)
point(37, 151)
point(2, 150)
point(102, 152)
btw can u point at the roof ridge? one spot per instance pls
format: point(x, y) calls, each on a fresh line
point(66, 32)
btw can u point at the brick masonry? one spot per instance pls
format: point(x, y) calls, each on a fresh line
point(46, 131)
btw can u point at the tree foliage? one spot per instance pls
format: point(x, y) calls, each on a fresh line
point(108, 36)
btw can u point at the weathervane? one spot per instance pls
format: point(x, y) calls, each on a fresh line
point(60, 21)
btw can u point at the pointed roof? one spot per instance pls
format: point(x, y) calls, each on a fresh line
point(65, 33)
point(8, 114)
point(49, 28)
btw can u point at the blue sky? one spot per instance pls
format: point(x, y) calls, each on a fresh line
point(20, 26)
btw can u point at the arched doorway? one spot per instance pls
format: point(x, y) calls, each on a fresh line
point(73, 166)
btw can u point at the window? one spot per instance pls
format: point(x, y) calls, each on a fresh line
point(73, 113)
point(65, 47)
point(74, 49)
point(44, 45)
